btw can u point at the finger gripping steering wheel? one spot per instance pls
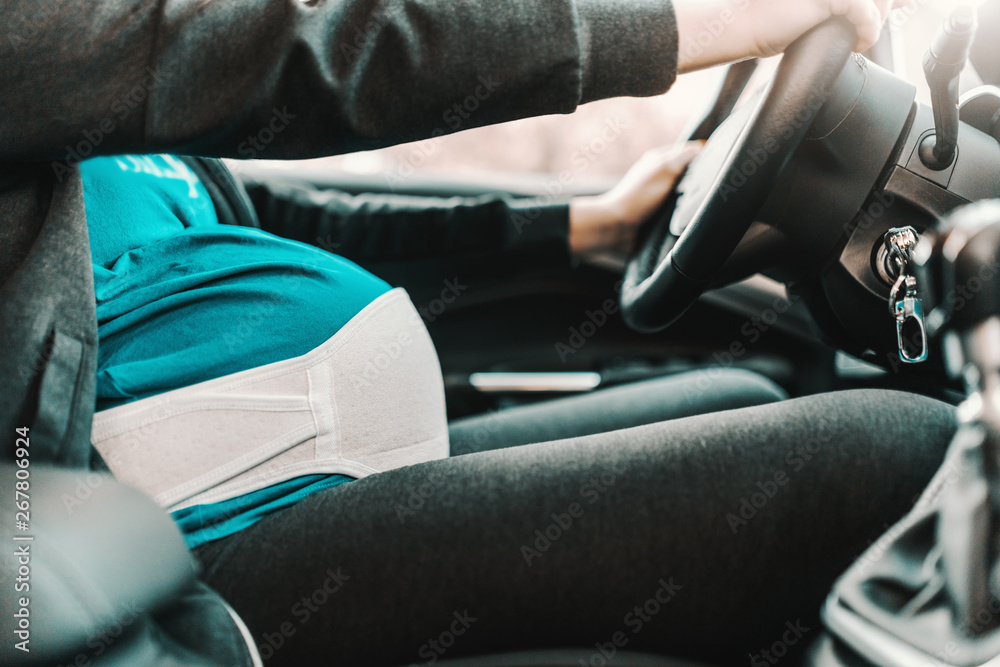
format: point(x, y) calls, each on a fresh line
point(728, 183)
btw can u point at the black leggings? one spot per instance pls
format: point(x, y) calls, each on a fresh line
point(707, 537)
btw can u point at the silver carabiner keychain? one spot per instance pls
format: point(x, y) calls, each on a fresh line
point(906, 307)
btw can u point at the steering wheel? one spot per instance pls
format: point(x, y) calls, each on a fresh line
point(726, 185)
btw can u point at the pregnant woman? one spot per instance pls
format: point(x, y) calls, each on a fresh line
point(286, 406)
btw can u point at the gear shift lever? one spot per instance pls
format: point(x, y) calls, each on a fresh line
point(928, 591)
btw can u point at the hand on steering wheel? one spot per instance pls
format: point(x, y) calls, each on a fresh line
point(728, 183)
point(608, 223)
point(714, 32)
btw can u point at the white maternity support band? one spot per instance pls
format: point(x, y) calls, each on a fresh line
point(369, 399)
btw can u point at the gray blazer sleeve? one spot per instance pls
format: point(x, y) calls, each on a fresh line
point(304, 78)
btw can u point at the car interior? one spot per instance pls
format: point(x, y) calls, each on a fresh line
point(801, 252)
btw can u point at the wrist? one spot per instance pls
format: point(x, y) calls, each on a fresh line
point(595, 225)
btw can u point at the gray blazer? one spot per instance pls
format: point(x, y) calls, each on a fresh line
point(280, 79)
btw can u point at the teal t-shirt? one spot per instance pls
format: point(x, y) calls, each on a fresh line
point(182, 299)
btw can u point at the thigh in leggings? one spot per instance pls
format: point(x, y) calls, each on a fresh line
point(698, 537)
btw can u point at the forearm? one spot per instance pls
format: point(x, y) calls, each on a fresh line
point(286, 79)
point(713, 32)
point(394, 227)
